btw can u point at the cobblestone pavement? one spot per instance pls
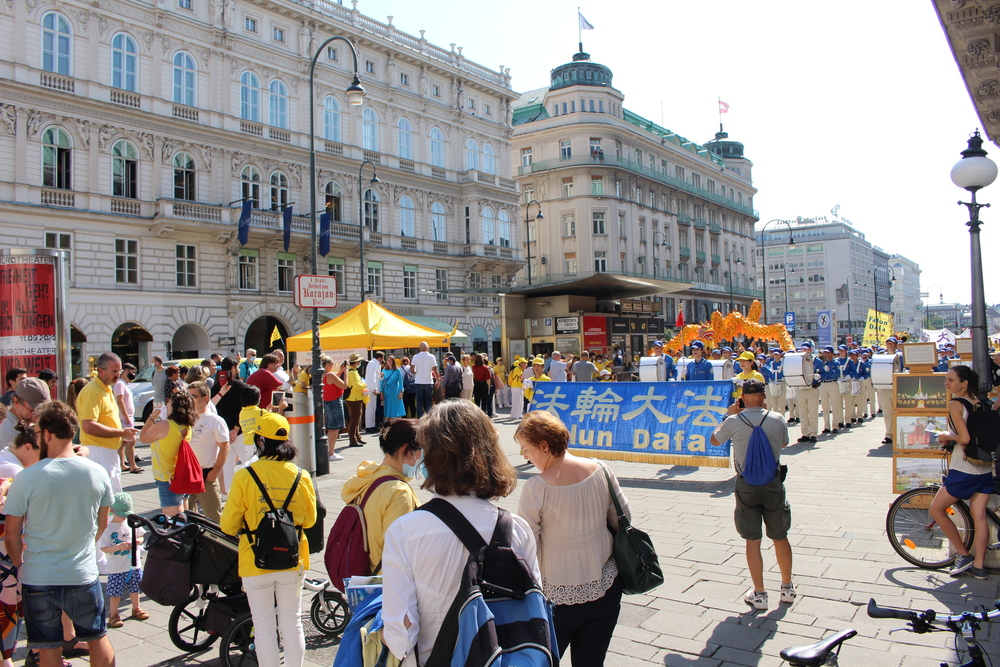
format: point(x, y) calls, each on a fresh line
point(839, 491)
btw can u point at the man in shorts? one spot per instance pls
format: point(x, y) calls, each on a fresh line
point(759, 504)
point(61, 503)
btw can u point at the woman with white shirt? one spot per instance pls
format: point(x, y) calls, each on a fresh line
point(423, 560)
point(568, 506)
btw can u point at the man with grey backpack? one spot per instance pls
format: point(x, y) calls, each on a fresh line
point(758, 435)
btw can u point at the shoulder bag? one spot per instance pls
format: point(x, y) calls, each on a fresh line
point(638, 566)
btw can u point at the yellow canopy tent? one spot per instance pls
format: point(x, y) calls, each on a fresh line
point(369, 326)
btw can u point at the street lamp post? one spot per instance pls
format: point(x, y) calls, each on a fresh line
point(527, 230)
point(361, 223)
point(663, 243)
point(974, 172)
point(851, 280)
point(763, 248)
point(355, 96)
point(729, 261)
point(891, 275)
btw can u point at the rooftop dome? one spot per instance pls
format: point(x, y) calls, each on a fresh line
point(581, 72)
point(725, 148)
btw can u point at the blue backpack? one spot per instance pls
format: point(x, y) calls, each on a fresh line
point(759, 467)
point(499, 617)
point(369, 617)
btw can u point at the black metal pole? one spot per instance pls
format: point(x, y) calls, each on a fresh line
point(980, 341)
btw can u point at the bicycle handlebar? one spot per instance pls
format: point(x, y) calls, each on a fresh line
point(137, 520)
point(928, 617)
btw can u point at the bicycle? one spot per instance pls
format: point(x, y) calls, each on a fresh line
point(917, 538)
point(827, 651)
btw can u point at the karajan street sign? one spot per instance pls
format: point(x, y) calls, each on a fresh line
point(316, 291)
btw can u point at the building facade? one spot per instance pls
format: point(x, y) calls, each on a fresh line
point(622, 195)
point(907, 307)
point(132, 131)
point(832, 266)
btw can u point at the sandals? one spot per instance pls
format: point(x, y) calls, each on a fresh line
point(32, 660)
point(115, 622)
point(140, 615)
point(136, 470)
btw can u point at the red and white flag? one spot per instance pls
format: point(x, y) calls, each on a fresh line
point(723, 107)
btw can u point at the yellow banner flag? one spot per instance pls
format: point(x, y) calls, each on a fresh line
point(275, 336)
point(878, 327)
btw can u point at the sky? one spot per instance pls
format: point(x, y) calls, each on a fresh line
point(856, 103)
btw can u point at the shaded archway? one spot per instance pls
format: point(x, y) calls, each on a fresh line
point(76, 340)
point(190, 341)
point(479, 339)
point(260, 333)
point(130, 341)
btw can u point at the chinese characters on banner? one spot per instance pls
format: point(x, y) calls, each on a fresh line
point(878, 327)
point(647, 422)
point(28, 322)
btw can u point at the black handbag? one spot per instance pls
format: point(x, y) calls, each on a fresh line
point(638, 566)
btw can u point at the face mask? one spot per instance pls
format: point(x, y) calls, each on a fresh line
point(415, 471)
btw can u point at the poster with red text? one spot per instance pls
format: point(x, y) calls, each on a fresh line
point(28, 317)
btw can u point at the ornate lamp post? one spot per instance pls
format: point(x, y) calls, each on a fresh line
point(729, 261)
point(662, 243)
point(974, 172)
point(361, 223)
point(763, 246)
point(527, 229)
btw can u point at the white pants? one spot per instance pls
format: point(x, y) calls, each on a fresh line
point(262, 592)
point(833, 408)
point(370, 411)
point(777, 401)
point(516, 402)
point(808, 403)
point(108, 459)
point(885, 402)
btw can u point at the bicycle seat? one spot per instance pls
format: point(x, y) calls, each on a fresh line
point(814, 655)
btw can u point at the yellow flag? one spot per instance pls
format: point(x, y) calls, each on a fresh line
point(275, 335)
point(453, 330)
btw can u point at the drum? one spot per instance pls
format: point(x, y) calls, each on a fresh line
point(652, 369)
point(883, 366)
point(682, 367)
point(774, 388)
point(798, 369)
point(728, 370)
point(719, 369)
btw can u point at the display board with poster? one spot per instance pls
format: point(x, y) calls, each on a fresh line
point(913, 472)
point(919, 393)
point(920, 414)
point(919, 354)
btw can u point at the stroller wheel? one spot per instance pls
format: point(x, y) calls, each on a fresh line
point(187, 626)
point(237, 648)
point(329, 612)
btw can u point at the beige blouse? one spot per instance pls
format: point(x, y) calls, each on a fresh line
point(570, 524)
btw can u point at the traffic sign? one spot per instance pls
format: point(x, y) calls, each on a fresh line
point(316, 291)
point(790, 321)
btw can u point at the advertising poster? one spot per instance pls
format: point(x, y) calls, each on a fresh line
point(29, 321)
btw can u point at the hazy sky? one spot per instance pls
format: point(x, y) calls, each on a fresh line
point(857, 103)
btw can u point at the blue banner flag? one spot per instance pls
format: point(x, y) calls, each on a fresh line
point(324, 234)
point(244, 229)
point(286, 219)
point(644, 422)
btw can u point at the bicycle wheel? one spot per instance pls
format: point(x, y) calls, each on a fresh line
point(329, 613)
point(186, 627)
point(916, 537)
point(237, 648)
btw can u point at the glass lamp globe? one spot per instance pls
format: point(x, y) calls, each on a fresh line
point(974, 171)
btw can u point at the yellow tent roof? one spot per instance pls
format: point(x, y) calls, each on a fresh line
point(369, 326)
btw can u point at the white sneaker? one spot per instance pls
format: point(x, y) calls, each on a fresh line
point(336, 457)
point(787, 593)
point(756, 599)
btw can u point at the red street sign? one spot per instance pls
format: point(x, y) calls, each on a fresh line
point(316, 291)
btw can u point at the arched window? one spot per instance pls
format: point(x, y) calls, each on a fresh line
point(125, 169)
point(407, 217)
point(331, 119)
point(56, 42)
point(405, 139)
point(439, 221)
point(124, 62)
point(471, 154)
point(279, 191)
point(503, 228)
point(57, 159)
point(278, 104)
point(437, 147)
point(489, 159)
point(489, 226)
point(334, 199)
point(185, 79)
point(250, 97)
point(371, 209)
point(369, 129)
point(184, 177)
point(250, 185)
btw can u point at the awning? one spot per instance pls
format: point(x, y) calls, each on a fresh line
point(603, 286)
point(439, 325)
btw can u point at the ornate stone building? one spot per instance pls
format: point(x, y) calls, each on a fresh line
point(131, 131)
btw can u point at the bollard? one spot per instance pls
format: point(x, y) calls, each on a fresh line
point(301, 419)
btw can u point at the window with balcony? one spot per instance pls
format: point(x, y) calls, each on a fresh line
point(185, 79)
point(331, 119)
point(407, 217)
point(286, 271)
point(503, 229)
point(57, 40)
point(57, 159)
point(369, 129)
point(278, 104)
point(404, 137)
point(335, 268)
point(187, 265)
point(489, 226)
point(489, 159)
point(126, 262)
point(527, 156)
point(124, 62)
point(250, 97)
point(439, 224)
point(248, 269)
point(565, 149)
point(437, 147)
point(184, 177)
point(601, 261)
point(471, 154)
point(371, 209)
point(279, 191)
point(333, 201)
point(250, 185)
point(125, 170)
point(569, 261)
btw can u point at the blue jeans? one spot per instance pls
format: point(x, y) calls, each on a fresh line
point(167, 497)
point(425, 393)
point(43, 619)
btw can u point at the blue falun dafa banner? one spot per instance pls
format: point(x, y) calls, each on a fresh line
point(644, 422)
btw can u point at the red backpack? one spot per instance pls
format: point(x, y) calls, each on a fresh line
point(347, 547)
point(188, 477)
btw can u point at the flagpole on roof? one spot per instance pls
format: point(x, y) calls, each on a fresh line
point(720, 114)
point(579, 28)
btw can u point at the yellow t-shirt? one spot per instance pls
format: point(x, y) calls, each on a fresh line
point(748, 375)
point(304, 380)
point(528, 393)
point(96, 403)
point(164, 452)
point(515, 378)
point(356, 384)
point(245, 503)
point(248, 422)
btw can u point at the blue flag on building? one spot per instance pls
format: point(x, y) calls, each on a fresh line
point(286, 221)
point(644, 422)
point(244, 229)
point(324, 234)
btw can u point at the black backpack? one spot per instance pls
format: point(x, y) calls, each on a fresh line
point(983, 423)
point(275, 543)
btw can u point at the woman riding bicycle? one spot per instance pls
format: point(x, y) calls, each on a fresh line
point(968, 479)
